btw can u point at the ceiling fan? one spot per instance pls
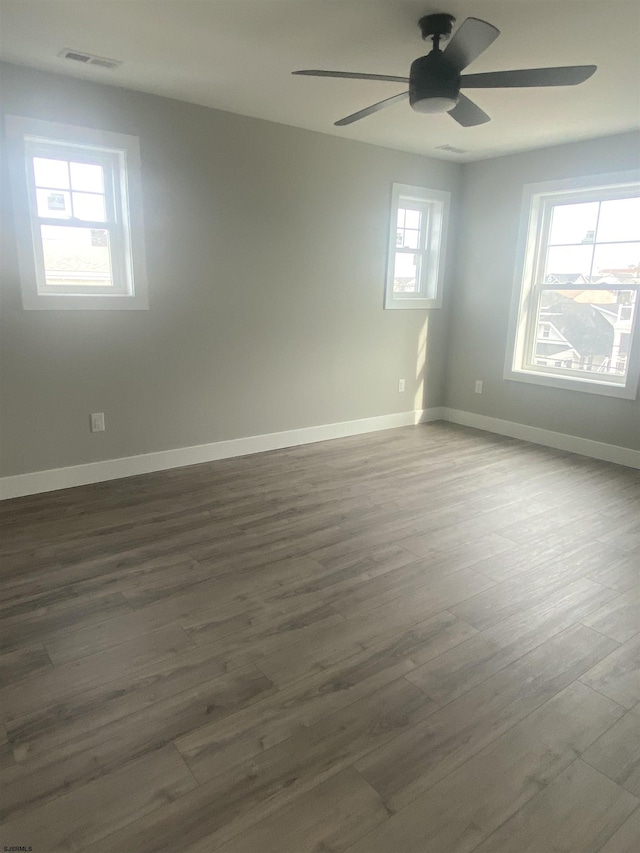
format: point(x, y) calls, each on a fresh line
point(435, 79)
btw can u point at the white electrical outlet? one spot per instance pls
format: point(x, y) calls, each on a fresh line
point(400, 384)
point(97, 422)
point(478, 386)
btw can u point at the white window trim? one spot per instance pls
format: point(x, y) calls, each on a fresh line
point(132, 294)
point(437, 204)
point(526, 258)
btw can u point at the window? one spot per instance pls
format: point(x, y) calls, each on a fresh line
point(416, 247)
point(577, 280)
point(78, 213)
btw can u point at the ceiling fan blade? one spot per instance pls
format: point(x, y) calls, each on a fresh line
point(367, 111)
point(568, 75)
point(352, 75)
point(467, 113)
point(471, 39)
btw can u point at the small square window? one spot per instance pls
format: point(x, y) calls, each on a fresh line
point(77, 198)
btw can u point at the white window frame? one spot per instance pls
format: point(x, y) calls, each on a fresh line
point(434, 206)
point(119, 154)
point(536, 204)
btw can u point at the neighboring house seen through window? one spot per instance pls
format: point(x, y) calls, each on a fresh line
point(578, 275)
point(78, 216)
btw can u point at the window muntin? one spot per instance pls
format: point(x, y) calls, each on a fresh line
point(416, 246)
point(78, 208)
point(579, 288)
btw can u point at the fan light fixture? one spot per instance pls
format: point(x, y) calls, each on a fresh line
point(435, 80)
point(434, 105)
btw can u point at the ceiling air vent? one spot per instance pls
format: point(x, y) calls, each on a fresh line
point(89, 58)
point(451, 149)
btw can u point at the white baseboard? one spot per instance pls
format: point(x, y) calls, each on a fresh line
point(549, 438)
point(113, 469)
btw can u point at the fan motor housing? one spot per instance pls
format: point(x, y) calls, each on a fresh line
point(434, 84)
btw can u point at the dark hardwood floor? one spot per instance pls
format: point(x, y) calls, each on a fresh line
point(425, 640)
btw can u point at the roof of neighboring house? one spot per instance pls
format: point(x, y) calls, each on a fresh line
point(582, 325)
point(566, 278)
point(554, 349)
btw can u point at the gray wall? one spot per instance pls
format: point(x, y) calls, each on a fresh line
point(492, 196)
point(266, 254)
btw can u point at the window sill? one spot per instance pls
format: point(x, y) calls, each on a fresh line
point(590, 386)
point(47, 302)
point(413, 302)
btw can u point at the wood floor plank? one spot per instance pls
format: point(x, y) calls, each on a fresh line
point(161, 676)
point(617, 753)
point(503, 600)
point(32, 625)
point(570, 525)
point(411, 763)
point(6, 753)
point(334, 643)
point(330, 817)
point(618, 618)
point(577, 812)
point(474, 548)
point(620, 571)
point(331, 579)
point(251, 791)
point(73, 821)
point(53, 759)
point(518, 562)
point(436, 591)
point(453, 673)
point(627, 838)
point(624, 534)
point(370, 563)
point(212, 608)
point(304, 703)
point(114, 572)
point(69, 646)
point(21, 662)
point(464, 808)
point(618, 675)
point(40, 690)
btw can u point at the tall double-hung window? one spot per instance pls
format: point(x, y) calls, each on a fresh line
point(575, 313)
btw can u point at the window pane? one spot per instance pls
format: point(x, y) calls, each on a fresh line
point(568, 264)
point(406, 277)
point(87, 176)
point(89, 206)
point(77, 257)
point(401, 213)
point(573, 223)
point(51, 173)
point(54, 204)
point(412, 219)
point(619, 220)
point(411, 239)
point(586, 330)
point(618, 262)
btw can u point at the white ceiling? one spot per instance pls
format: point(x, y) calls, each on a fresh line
point(237, 55)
